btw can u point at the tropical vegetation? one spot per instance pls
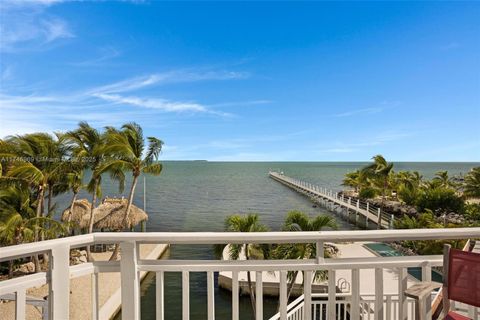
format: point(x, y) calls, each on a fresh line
point(35, 168)
point(434, 202)
point(443, 194)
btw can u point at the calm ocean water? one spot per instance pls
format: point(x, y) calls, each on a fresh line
point(197, 196)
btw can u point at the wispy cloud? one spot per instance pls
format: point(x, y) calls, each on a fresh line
point(108, 104)
point(105, 54)
point(152, 103)
point(170, 77)
point(359, 111)
point(242, 103)
point(26, 26)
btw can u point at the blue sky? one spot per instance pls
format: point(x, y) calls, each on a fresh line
point(316, 81)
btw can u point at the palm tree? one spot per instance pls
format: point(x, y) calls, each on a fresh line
point(442, 180)
point(245, 223)
point(21, 223)
point(299, 221)
point(87, 142)
point(40, 171)
point(472, 183)
point(75, 183)
point(380, 171)
point(127, 146)
point(354, 179)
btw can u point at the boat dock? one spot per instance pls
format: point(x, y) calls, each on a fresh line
point(361, 209)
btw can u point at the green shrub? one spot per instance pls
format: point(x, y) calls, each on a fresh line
point(367, 193)
point(472, 212)
point(440, 199)
point(408, 195)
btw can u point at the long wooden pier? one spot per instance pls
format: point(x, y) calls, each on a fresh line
point(369, 212)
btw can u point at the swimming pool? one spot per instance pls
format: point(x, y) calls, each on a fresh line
point(384, 250)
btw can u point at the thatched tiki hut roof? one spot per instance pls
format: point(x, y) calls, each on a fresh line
point(81, 213)
point(112, 211)
point(108, 215)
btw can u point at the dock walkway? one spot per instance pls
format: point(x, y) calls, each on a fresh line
point(369, 212)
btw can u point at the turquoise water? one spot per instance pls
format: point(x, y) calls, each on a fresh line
point(197, 196)
point(385, 250)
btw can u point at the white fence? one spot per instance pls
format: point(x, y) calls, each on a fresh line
point(130, 266)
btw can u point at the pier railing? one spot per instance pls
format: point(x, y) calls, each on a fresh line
point(370, 212)
point(335, 304)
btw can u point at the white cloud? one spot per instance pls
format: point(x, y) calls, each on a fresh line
point(169, 77)
point(359, 111)
point(153, 103)
point(242, 103)
point(106, 53)
point(26, 26)
point(56, 29)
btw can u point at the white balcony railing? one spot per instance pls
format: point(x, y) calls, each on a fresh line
point(332, 305)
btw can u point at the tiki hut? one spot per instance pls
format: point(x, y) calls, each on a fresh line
point(81, 213)
point(111, 212)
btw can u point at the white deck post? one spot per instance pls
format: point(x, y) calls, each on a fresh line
point(95, 297)
point(258, 295)
point(60, 282)
point(355, 304)
point(159, 295)
point(379, 294)
point(210, 295)
point(20, 304)
point(402, 298)
point(129, 281)
point(283, 295)
point(307, 296)
point(368, 206)
point(320, 252)
point(235, 295)
point(332, 293)
point(185, 295)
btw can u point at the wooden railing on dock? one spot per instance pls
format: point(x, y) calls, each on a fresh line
point(369, 212)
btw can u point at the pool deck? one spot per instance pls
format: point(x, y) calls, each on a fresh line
point(271, 280)
point(367, 276)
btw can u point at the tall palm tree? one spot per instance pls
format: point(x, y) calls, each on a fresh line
point(471, 187)
point(87, 142)
point(127, 146)
point(379, 171)
point(39, 168)
point(299, 221)
point(75, 184)
point(245, 223)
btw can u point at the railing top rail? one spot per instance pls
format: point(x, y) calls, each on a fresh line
point(288, 237)
point(13, 252)
point(290, 265)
